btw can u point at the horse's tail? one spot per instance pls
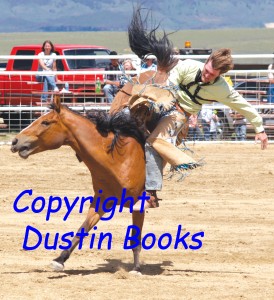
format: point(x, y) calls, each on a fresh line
point(144, 42)
point(120, 123)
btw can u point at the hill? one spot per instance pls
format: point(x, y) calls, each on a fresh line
point(114, 15)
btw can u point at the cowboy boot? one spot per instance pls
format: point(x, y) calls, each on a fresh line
point(151, 203)
point(154, 200)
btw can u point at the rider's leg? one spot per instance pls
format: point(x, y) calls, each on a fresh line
point(154, 178)
point(163, 139)
point(154, 169)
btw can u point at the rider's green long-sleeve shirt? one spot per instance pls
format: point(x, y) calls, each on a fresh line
point(185, 72)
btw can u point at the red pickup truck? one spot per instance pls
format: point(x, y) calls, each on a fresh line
point(22, 88)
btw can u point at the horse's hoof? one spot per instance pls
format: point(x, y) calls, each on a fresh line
point(135, 273)
point(56, 266)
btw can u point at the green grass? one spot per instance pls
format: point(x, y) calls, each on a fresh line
point(241, 41)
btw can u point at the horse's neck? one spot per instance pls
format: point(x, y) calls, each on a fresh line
point(82, 134)
point(153, 77)
point(110, 171)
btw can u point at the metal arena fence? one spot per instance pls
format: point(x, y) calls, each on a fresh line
point(254, 85)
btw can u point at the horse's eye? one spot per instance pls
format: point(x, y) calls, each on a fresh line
point(45, 122)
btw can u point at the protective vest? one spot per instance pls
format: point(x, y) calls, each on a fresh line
point(197, 80)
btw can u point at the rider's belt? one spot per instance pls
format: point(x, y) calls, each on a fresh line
point(181, 110)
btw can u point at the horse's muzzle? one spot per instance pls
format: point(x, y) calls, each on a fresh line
point(23, 148)
point(13, 145)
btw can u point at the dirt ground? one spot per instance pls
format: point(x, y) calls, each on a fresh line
point(230, 199)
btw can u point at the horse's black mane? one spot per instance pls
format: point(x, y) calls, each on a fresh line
point(144, 41)
point(121, 124)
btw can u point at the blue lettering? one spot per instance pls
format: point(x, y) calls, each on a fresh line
point(164, 247)
point(39, 198)
point(181, 239)
point(101, 239)
point(133, 239)
point(199, 242)
point(69, 207)
point(50, 208)
point(153, 237)
point(83, 200)
point(143, 198)
point(19, 210)
point(54, 246)
point(65, 240)
point(81, 234)
point(124, 199)
point(92, 238)
point(106, 208)
point(98, 201)
point(38, 234)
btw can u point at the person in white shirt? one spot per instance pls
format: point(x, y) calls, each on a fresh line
point(239, 122)
point(210, 123)
point(149, 65)
point(47, 64)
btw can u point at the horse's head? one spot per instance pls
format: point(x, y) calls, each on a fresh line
point(45, 133)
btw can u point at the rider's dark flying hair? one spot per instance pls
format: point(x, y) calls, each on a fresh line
point(144, 41)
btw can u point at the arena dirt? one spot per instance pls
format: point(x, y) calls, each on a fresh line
point(230, 199)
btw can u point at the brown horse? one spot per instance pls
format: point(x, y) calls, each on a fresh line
point(114, 156)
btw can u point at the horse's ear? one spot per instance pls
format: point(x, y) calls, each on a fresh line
point(57, 103)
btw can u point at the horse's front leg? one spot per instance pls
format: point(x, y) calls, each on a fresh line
point(91, 220)
point(137, 220)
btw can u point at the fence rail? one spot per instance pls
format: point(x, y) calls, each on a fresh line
point(17, 117)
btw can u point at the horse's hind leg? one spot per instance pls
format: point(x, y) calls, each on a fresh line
point(91, 220)
point(137, 220)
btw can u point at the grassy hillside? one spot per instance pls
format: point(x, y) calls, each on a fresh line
point(114, 15)
point(241, 41)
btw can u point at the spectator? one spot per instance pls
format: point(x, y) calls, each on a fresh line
point(239, 122)
point(176, 51)
point(206, 115)
point(112, 81)
point(194, 131)
point(47, 65)
point(214, 123)
point(210, 123)
point(270, 96)
point(149, 64)
point(126, 66)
